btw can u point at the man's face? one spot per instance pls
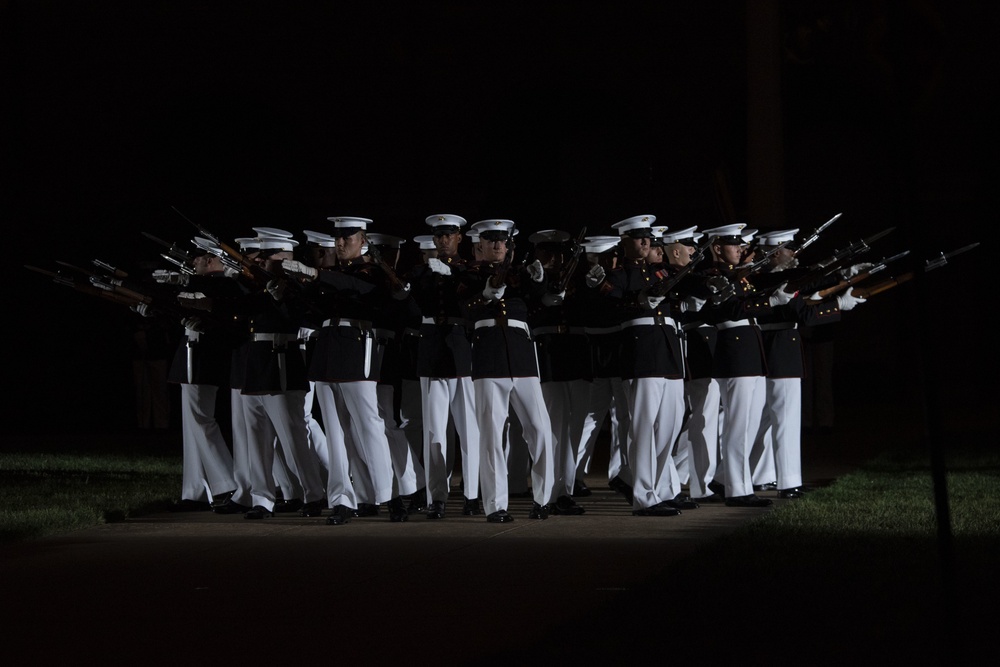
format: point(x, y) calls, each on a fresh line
point(782, 257)
point(322, 257)
point(349, 247)
point(447, 244)
point(207, 263)
point(493, 251)
point(635, 248)
point(655, 255)
point(679, 254)
point(728, 253)
point(273, 262)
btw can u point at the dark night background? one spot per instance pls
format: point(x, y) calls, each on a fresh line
point(554, 114)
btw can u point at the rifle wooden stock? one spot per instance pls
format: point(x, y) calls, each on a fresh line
point(499, 277)
point(570, 268)
point(878, 288)
point(394, 279)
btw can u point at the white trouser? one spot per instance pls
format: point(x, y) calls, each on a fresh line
point(656, 406)
point(777, 451)
point(316, 443)
point(454, 397)
point(207, 465)
point(607, 395)
point(412, 419)
point(241, 450)
point(494, 398)
point(740, 419)
point(567, 404)
point(406, 467)
point(279, 415)
point(698, 446)
point(515, 448)
point(355, 437)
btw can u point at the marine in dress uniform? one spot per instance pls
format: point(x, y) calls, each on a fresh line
point(776, 452)
point(200, 366)
point(652, 371)
point(345, 367)
point(505, 371)
point(738, 362)
point(607, 396)
point(557, 329)
point(444, 365)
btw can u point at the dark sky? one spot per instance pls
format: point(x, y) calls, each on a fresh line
point(555, 114)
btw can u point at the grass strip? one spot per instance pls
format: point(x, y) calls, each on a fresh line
point(52, 493)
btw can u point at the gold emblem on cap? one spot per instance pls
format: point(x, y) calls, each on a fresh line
point(497, 223)
point(645, 218)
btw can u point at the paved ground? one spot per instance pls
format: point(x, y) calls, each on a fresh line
point(197, 586)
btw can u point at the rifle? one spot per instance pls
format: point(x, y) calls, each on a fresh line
point(176, 256)
point(864, 275)
point(745, 270)
point(929, 265)
point(248, 268)
point(815, 235)
point(836, 261)
point(499, 277)
point(394, 279)
point(60, 279)
point(571, 265)
point(666, 285)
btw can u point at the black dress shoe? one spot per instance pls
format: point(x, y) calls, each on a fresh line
point(313, 508)
point(230, 507)
point(366, 509)
point(288, 506)
point(471, 507)
point(339, 514)
point(618, 485)
point(770, 486)
point(714, 498)
point(258, 512)
point(185, 505)
point(538, 511)
point(790, 494)
point(500, 516)
point(418, 501)
point(397, 510)
point(748, 501)
point(681, 502)
point(566, 506)
point(580, 490)
point(717, 488)
point(222, 497)
point(435, 510)
point(656, 510)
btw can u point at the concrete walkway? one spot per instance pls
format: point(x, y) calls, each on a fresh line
point(178, 588)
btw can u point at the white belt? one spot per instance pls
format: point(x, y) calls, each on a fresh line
point(446, 321)
point(517, 324)
point(556, 329)
point(597, 331)
point(276, 338)
point(730, 324)
point(344, 322)
point(649, 322)
point(778, 326)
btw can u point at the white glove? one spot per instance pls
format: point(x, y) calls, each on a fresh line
point(437, 266)
point(854, 269)
point(276, 288)
point(196, 300)
point(550, 299)
point(403, 291)
point(492, 293)
point(847, 300)
point(230, 272)
point(692, 304)
point(651, 302)
point(595, 276)
point(815, 296)
point(297, 269)
point(194, 324)
point(536, 271)
point(780, 297)
point(169, 277)
point(143, 309)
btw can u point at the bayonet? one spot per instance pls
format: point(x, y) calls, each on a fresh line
point(815, 235)
point(943, 258)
